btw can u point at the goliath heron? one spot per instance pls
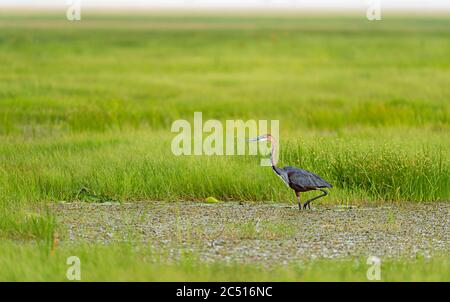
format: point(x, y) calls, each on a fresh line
point(297, 179)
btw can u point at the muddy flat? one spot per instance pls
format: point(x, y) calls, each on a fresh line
point(264, 233)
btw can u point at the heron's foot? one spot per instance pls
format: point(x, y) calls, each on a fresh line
point(299, 206)
point(306, 205)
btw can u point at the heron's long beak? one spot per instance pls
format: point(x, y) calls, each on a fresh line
point(260, 138)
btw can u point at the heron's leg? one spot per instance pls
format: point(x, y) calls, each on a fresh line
point(325, 193)
point(298, 198)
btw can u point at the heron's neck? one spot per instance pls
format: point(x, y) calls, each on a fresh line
point(272, 154)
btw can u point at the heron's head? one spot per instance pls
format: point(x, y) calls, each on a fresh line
point(261, 138)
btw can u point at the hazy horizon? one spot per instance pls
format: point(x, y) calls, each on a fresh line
point(407, 5)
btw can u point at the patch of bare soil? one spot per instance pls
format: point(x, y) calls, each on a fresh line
point(264, 233)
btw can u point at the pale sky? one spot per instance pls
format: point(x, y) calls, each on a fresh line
point(238, 4)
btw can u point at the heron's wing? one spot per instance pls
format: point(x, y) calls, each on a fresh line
point(306, 179)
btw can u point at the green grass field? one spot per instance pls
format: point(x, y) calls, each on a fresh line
point(125, 263)
point(86, 109)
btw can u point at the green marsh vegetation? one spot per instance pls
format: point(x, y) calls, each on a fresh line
point(86, 108)
point(28, 262)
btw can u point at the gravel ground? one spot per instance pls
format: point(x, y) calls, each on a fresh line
point(265, 233)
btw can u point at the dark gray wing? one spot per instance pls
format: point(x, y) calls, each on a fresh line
point(305, 178)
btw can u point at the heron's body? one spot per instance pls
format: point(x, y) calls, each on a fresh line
point(297, 179)
point(301, 180)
